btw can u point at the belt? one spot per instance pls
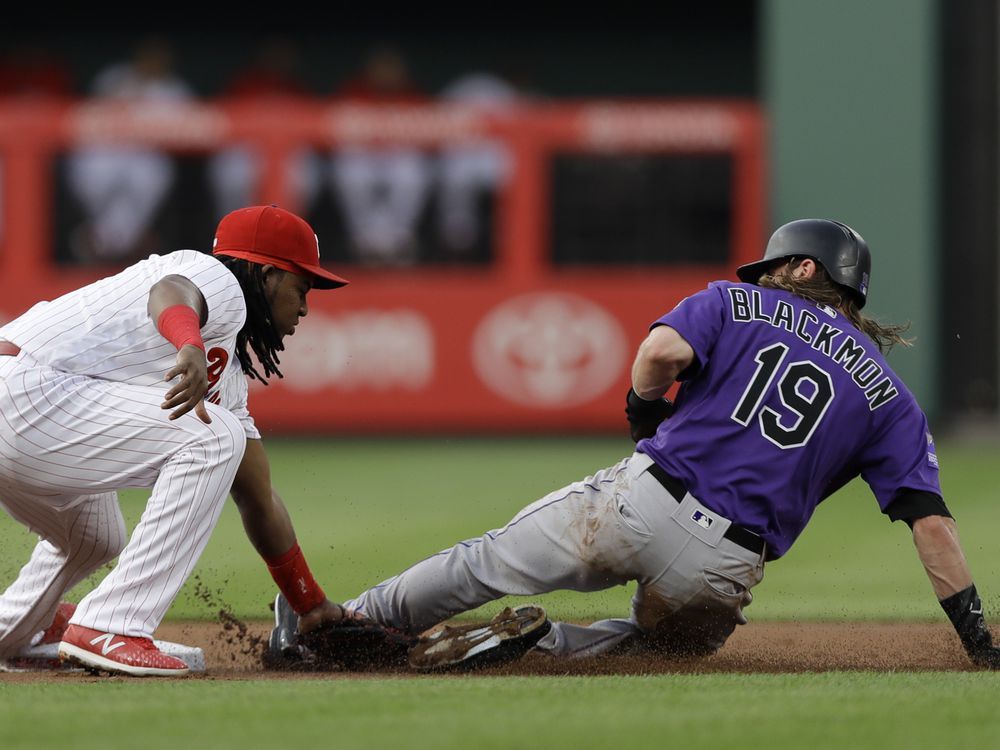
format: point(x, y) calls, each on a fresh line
point(8, 349)
point(736, 534)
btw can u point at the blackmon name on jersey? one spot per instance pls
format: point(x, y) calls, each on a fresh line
point(748, 307)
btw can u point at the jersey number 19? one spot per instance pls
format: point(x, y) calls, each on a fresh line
point(805, 389)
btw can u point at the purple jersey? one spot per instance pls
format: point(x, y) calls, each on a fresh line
point(785, 403)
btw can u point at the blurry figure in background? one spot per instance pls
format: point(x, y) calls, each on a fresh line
point(121, 187)
point(470, 169)
point(235, 173)
point(382, 189)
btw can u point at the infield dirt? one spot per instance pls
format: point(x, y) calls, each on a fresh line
point(233, 652)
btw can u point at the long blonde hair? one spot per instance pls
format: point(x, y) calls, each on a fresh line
point(821, 289)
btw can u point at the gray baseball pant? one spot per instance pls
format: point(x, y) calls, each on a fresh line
point(616, 526)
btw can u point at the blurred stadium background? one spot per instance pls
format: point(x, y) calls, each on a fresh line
point(515, 202)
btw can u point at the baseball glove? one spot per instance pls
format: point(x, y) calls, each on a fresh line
point(356, 646)
point(348, 645)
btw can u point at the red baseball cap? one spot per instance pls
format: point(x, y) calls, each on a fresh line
point(273, 236)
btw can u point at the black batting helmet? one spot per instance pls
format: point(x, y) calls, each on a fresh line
point(841, 251)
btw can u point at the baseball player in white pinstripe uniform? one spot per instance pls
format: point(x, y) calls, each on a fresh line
point(140, 380)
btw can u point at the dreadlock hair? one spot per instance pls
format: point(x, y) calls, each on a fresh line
point(823, 290)
point(258, 330)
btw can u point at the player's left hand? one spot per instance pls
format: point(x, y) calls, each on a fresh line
point(189, 392)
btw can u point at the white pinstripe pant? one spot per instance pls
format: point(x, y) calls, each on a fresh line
point(67, 443)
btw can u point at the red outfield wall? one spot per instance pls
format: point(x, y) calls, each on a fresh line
point(518, 345)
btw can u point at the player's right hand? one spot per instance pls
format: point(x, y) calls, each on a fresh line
point(189, 392)
point(326, 613)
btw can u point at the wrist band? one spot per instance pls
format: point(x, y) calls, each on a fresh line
point(294, 580)
point(636, 407)
point(180, 325)
point(965, 610)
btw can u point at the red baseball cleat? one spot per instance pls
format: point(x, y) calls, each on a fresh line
point(120, 654)
point(54, 632)
point(43, 656)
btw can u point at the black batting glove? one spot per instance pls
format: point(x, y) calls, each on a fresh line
point(645, 416)
point(965, 610)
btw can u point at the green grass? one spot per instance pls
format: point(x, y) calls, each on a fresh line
point(365, 509)
point(831, 710)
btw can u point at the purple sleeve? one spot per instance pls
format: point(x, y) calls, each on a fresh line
point(698, 319)
point(901, 455)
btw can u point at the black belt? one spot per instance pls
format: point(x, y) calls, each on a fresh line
point(736, 534)
point(8, 349)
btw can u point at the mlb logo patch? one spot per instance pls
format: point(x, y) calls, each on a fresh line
point(702, 520)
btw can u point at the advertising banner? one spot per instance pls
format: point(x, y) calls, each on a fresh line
point(538, 335)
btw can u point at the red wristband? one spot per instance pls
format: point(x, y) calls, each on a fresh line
point(294, 580)
point(180, 325)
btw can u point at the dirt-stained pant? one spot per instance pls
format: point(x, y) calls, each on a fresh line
point(616, 526)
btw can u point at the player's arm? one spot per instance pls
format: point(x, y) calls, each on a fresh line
point(179, 310)
point(935, 535)
point(269, 528)
point(661, 357)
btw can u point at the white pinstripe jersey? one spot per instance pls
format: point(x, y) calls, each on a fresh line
point(104, 330)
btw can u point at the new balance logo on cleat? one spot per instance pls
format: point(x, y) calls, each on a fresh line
point(505, 638)
point(107, 645)
point(117, 654)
